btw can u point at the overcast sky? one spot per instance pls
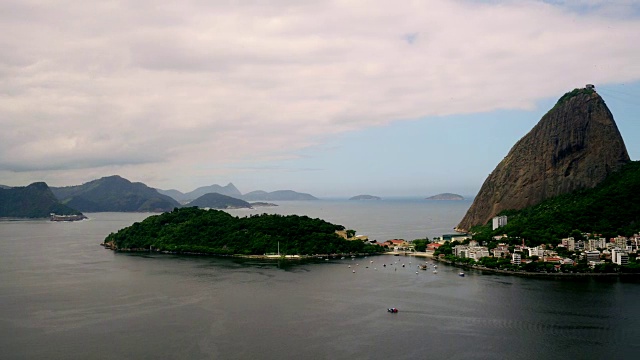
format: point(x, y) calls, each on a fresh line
point(334, 98)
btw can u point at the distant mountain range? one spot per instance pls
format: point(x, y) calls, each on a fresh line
point(229, 190)
point(232, 191)
point(33, 201)
point(114, 193)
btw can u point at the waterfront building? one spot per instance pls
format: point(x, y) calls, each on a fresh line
point(502, 250)
point(478, 252)
point(455, 237)
point(460, 251)
point(536, 251)
point(592, 255)
point(619, 256)
point(516, 258)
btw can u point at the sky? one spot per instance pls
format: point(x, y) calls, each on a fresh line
point(333, 98)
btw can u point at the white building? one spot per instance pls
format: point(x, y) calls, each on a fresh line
point(475, 252)
point(478, 252)
point(569, 243)
point(499, 221)
point(536, 251)
point(516, 258)
point(594, 244)
point(619, 256)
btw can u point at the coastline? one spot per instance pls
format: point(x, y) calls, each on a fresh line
point(535, 274)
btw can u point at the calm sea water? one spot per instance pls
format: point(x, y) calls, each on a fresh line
point(64, 297)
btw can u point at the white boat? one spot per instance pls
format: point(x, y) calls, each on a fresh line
point(461, 273)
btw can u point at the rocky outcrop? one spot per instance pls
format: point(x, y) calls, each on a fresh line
point(574, 146)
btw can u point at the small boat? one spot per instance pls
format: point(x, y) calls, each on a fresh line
point(461, 273)
point(422, 267)
point(435, 271)
point(392, 310)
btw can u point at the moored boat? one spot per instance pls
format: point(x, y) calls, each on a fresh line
point(56, 217)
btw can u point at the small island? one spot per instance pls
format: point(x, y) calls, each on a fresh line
point(213, 232)
point(446, 196)
point(262, 204)
point(365, 197)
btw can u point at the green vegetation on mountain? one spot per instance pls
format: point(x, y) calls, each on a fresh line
point(218, 201)
point(609, 209)
point(33, 201)
point(114, 193)
point(573, 93)
point(193, 230)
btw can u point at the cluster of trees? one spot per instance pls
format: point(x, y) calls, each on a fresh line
point(193, 230)
point(608, 209)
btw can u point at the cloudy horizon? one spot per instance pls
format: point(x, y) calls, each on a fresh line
point(326, 97)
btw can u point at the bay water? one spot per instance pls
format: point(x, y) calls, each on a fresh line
point(62, 296)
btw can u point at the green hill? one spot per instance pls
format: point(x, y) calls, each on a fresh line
point(33, 201)
point(193, 230)
point(114, 193)
point(610, 209)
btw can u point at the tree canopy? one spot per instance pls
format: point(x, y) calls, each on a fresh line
point(193, 230)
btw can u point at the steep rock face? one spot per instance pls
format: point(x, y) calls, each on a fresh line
point(574, 146)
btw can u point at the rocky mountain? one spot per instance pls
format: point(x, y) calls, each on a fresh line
point(33, 201)
point(114, 193)
point(575, 145)
point(229, 190)
point(446, 196)
point(365, 197)
point(282, 195)
point(218, 201)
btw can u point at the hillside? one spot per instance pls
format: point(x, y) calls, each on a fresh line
point(609, 209)
point(33, 201)
point(218, 201)
point(114, 193)
point(575, 145)
point(192, 230)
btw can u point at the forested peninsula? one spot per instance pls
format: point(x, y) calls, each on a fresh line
point(213, 232)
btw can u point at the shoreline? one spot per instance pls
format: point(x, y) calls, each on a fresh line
point(108, 246)
point(536, 274)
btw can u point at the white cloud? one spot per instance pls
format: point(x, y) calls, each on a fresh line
point(157, 88)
